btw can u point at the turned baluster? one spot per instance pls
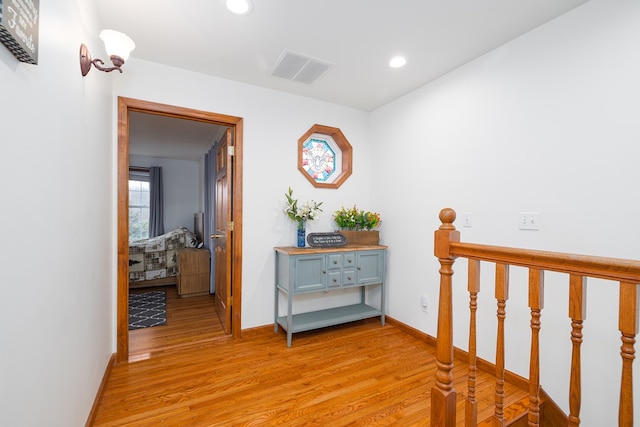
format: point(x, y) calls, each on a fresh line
point(443, 395)
point(536, 303)
point(577, 313)
point(502, 295)
point(473, 285)
point(628, 325)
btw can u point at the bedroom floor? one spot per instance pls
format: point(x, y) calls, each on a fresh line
point(189, 320)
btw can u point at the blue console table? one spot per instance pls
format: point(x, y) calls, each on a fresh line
point(320, 270)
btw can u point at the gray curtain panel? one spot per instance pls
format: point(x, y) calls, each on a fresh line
point(209, 209)
point(156, 215)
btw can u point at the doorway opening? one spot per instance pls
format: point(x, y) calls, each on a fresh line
point(234, 244)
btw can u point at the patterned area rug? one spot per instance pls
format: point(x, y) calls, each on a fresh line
point(147, 309)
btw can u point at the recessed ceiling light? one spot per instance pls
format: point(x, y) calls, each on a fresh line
point(397, 62)
point(240, 7)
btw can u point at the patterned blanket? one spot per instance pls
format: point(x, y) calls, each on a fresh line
point(156, 258)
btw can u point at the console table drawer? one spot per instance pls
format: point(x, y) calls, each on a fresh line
point(341, 260)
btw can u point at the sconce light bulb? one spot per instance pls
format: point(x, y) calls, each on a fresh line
point(240, 7)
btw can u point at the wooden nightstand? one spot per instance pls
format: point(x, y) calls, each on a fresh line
point(193, 272)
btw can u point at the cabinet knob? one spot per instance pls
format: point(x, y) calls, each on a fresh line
point(349, 278)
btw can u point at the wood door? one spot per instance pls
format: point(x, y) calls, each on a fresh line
point(224, 227)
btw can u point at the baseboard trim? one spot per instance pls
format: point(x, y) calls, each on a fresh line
point(411, 331)
point(103, 384)
point(551, 412)
point(258, 330)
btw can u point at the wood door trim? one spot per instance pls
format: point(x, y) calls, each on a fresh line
point(126, 105)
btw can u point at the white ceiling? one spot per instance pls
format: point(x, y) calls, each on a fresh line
point(170, 138)
point(358, 36)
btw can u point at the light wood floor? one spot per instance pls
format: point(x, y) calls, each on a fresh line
point(189, 320)
point(350, 375)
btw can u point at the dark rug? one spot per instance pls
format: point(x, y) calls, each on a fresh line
point(147, 309)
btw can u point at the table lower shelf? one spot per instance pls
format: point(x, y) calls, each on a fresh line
point(329, 317)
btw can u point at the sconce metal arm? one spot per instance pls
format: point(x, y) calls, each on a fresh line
point(98, 63)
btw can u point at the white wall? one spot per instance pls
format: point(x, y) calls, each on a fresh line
point(273, 122)
point(57, 258)
point(181, 184)
point(546, 123)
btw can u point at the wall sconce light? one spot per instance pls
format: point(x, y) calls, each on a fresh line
point(118, 46)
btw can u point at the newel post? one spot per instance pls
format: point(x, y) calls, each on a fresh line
point(443, 396)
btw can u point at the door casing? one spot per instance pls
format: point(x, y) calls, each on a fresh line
point(126, 105)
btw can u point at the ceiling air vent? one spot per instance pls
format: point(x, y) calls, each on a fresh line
point(299, 68)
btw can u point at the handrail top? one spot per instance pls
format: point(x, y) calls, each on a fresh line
point(623, 270)
point(593, 266)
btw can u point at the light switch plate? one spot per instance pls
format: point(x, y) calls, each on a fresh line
point(529, 221)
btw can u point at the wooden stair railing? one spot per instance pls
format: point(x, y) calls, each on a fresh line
point(579, 267)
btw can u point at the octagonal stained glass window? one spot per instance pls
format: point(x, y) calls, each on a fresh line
point(324, 156)
point(319, 158)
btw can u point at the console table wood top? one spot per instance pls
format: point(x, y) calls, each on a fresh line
point(294, 250)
